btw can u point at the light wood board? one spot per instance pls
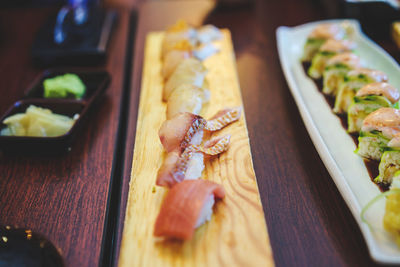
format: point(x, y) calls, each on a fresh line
point(237, 233)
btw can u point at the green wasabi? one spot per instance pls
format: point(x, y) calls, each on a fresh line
point(64, 86)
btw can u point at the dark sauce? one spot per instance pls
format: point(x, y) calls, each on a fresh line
point(22, 247)
point(373, 170)
point(371, 165)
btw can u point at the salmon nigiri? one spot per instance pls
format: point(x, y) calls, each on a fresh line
point(187, 206)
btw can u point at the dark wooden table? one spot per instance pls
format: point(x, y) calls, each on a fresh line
point(66, 198)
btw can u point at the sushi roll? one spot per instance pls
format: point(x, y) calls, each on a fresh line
point(368, 99)
point(329, 49)
point(390, 161)
point(190, 164)
point(318, 37)
point(187, 98)
point(336, 69)
point(353, 81)
point(391, 219)
point(187, 206)
point(189, 71)
point(378, 128)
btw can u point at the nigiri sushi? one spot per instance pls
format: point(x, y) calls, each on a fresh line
point(187, 98)
point(208, 33)
point(368, 99)
point(190, 164)
point(179, 52)
point(336, 68)
point(187, 206)
point(377, 129)
point(189, 71)
point(180, 131)
point(179, 32)
point(353, 81)
point(186, 128)
point(329, 49)
point(318, 37)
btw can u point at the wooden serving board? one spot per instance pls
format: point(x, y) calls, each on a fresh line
point(237, 233)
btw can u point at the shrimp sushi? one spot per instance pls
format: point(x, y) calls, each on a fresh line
point(368, 99)
point(187, 206)
point(377, 130)
point(353, 81)
point(336, 69)
point(318, 37)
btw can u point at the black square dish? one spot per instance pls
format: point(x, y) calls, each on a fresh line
point(43, 145)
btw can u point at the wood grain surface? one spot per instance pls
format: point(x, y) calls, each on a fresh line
point(236, 234)
point(62, 197)
point(309, 224)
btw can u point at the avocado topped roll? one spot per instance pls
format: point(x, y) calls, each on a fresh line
point(377, 130)
point(336, 68)
point(390, 161)
point(329, 49)
point(368, 99)
point(353, 81)
point(318, 36)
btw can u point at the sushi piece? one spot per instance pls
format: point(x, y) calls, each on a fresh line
point(336, 69)
point(187, 98)
point(190, 164)
point(390, 161)
point(189, 71)
point(187, 129)
point(187, 206)
point(368, 99)
point(377, 130)
point(181, 131)
point(329, 49)
point(204, 51)
point(208, 33)
point(181, 51)
point(391, 219)
point(177, 33)
point(318, 37)
point(353, 81)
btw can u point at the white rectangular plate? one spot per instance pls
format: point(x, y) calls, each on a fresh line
point(334, 145)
